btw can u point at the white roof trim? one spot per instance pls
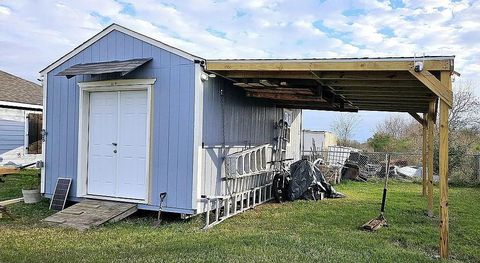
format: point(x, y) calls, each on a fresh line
point(126, 31)
point(20, 105)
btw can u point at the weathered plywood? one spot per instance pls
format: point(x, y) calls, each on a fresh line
point(91, 213)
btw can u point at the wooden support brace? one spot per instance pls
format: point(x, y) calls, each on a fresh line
point(418, 118)
point(437, 87)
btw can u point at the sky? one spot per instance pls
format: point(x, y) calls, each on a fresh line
point(35, 33)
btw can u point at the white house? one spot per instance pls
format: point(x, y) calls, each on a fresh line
point(20, 120)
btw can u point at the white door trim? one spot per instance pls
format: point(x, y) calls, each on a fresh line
point(83, 119)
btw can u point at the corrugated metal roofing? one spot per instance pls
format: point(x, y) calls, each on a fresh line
point(18, 90)
point(119, 66)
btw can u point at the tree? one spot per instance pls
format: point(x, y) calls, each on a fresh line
point(344, 126)
point(464, 117)
point(397, 133)
point(380, 142)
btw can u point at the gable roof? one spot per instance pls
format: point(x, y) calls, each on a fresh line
point(16, 90)
point(126, 31)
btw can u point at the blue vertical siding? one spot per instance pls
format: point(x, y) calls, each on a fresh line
point(247, 123)
point(173, 98)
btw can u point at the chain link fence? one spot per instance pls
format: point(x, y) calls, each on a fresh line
point(464, 170)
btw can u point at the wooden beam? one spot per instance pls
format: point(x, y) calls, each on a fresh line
point(437, 87)
point(322, 75)
point(443, 168)
point(391, 99)
point(424, 155)
point(373, 108)
point(391, 108)
point(418, 118)
point(374, 83)
point(282, 91)
point(313, 107)
point(285, 97)
point(406, 90)
point(372, 75)
point(385, 95)
point(324, 65)
point(430, 129)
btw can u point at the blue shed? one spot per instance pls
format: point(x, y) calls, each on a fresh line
point(128, 117)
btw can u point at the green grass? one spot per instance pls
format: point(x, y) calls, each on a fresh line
point(12, 187)
point(290, 232)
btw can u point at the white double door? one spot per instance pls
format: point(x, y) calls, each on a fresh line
point(117, 144)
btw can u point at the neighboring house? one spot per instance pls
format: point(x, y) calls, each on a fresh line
point(129, 118)
point(317, 141)
point(20, 120)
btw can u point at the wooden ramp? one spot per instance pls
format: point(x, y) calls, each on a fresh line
point(91, 213)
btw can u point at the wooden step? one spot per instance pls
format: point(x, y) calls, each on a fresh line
point(91, 213)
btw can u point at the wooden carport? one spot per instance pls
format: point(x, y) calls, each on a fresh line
point(395, 84)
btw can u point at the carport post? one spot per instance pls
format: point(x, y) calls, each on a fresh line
point(443, 168)
point(424, 155)
point(430, 128)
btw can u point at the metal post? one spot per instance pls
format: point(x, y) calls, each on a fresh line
point(217, 209)
point(207, 216)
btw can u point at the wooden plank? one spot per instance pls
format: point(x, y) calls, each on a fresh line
point(91, 213)
point(430, 81)
point(11, 201)
point(430, 129)
point(8, 170)
point(443, 169)
point(424, 155)
point(323, 65)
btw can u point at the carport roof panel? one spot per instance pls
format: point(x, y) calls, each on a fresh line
point(349, 84)
point(122, 66)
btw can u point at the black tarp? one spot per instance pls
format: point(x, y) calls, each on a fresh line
point(307, 182)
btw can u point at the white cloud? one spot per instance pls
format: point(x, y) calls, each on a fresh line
point(34, 34)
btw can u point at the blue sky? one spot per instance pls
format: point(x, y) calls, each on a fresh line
point(35, 33)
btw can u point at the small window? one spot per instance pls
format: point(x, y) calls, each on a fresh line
point(34, 133)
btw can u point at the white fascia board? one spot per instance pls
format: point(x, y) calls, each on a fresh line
point(21, 105)
point(126, 31)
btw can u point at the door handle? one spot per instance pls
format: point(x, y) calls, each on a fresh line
point(114, 144)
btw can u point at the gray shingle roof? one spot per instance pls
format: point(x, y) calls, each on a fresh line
point(16, 89)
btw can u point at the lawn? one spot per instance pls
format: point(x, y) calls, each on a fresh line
point(290, 232)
